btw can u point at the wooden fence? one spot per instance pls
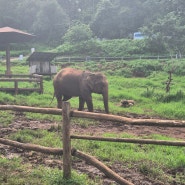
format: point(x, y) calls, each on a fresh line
point(17, 79)
point(61, 58)
point(67, 151)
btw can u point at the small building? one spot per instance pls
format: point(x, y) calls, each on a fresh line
point(40, 63)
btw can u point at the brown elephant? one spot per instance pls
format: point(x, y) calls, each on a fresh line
point(70, 82)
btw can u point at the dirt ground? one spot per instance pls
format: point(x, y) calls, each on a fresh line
point(132, 175)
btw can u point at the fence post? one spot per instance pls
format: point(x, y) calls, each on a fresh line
point(66, 140)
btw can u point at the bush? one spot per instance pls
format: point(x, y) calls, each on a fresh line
point(78, 33)
point(94, 47)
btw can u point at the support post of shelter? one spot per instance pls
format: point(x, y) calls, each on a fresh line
point(8, 71)
point(66, 140)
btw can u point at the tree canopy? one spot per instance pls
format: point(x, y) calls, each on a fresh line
point(162, 21)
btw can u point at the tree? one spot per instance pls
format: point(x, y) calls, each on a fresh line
point(117, 18)
point(8, 13)
point(26, 13)
point(78, 33)
point(81, 10)
point(166, 33)
point(51, 21)
point(104, 23)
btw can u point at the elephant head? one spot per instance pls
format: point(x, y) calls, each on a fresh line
point(97, 83)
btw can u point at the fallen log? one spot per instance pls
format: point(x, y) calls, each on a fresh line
point(129, 140)
point(32, 147)
point(95, 162)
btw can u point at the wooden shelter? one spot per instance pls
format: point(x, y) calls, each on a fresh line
point(10, 35)
point(40, 63)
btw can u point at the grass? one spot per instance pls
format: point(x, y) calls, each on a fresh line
point(156, 162)
point(149, 93)
point(150, 160)
point(16, 173)
point(6, 118)
point(43, 137)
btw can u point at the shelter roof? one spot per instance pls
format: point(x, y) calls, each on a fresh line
point(42, 56)
point(11, 35)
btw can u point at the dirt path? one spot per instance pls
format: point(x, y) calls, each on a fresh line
point(94, 130)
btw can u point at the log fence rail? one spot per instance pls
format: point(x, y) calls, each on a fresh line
point(17, 79)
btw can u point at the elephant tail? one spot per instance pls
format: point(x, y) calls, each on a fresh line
point(52, 99)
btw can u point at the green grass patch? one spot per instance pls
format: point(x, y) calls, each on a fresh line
point(148, 92)
point(42, 137)
point(14, 172)
point(6, 118)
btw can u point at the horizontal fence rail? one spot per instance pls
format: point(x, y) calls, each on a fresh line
point(109, 59)
point(98, 116)
point(36, 148)
point(128, 140)
point(17, 79)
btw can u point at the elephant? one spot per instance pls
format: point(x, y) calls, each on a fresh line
point(70, 82)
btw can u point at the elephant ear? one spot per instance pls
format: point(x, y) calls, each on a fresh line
point(91, 80)
point(96, 82)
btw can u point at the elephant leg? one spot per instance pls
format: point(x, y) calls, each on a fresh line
point(65, 98)
point(59, 101)
point(89, 104)
point(81, 104)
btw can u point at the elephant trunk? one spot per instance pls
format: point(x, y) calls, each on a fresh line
point(105, 100)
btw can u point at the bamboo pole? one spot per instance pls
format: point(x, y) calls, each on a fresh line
point(33, 147)
point(128, 140)
point(95, 162)
point(66, 140)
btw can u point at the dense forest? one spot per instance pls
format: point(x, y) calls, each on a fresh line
point(57, 21)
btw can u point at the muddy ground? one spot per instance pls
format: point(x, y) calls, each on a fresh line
point(132, 175)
